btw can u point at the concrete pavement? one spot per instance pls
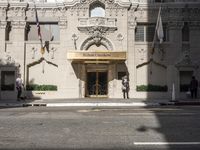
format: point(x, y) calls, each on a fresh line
point(92, 102)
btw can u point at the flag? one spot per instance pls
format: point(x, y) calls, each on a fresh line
point(38, 30)
point(46, 45)
point(159, 28)
point(158, 31)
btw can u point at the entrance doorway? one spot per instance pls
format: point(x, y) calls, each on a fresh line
point(97, 84)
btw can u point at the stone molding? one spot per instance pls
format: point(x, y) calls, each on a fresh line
point(63, 23)
point(88, 24)
point(3, 24)
point(175, 25)
point(96, 40)
point(18, 24)
point(194, 25)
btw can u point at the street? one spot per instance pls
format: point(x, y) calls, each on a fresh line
point(82, 128)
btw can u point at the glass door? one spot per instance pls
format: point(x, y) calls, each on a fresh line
point(97, 84)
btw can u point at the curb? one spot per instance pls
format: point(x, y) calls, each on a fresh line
point(99, 104)
point(79, 105)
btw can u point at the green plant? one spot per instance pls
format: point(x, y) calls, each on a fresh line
point(152, 88)
point(36, 87)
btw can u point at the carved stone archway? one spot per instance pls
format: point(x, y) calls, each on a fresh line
point(96, 41)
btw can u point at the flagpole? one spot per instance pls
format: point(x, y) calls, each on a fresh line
point(39, 32)
point(156, 28)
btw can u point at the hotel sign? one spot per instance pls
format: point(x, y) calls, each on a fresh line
point(96, 55)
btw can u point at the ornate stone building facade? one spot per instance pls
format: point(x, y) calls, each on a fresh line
point(92, 44)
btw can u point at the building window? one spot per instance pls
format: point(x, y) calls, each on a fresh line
point(145, 32)
point(185, 32)
point(8, 31)
point(7, 80)
point(49, 32)
point(97, 9)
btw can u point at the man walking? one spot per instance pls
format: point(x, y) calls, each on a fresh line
point(19, 86)
point(193, 87)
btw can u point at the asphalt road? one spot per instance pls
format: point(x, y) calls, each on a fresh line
point(164, 128)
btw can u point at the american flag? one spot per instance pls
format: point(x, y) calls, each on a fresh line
point(38, 25)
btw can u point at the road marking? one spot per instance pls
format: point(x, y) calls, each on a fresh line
point(166, 143)
point(100, 104)
point(156, 113)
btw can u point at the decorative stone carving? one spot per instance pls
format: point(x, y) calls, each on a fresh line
point(83, 1)
point(142, 54)
point(108, 24)
point(75, 38)
point(97, 33)
point(120, 37)
point(185, 61)
point(175, 25)
point(194, 25)
point(132, 23)
point(89, 41)
point(52, 51)
point(7, 60)
point(3, 24)
point(33, 50)
point(63, 24)
point(18, 24)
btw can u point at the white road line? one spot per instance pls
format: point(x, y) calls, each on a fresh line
point(99, 104)
point(166, 143)
point(157, 113)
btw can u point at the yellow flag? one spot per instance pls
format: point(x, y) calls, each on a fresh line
point(42, 50)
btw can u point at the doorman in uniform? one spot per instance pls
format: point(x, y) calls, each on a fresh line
point(125, 87)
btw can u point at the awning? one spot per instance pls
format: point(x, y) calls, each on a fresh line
point(97, 56)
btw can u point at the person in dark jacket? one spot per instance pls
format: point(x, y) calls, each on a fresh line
point(193, 87)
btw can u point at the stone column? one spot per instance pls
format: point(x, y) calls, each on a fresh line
point(2, 36)
point(18, 48)
point(194, 40)
point(64, 64)
point(131, 56)
point(175, 37)
point(195, 46)
point(3, 23)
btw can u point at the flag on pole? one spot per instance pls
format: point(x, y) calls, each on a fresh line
point(158, 31)
point(159, 28)
point(39, 31)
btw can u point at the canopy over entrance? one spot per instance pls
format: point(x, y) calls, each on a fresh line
point(96, 56)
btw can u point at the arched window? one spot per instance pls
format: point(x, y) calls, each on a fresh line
point(97, 9)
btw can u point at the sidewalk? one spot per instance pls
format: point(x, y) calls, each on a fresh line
point(92, 102)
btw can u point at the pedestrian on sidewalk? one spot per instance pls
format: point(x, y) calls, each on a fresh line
point(19, 86)
point(193, 87)
point(125, 87)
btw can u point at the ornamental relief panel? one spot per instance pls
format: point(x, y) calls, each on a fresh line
point(82, 9)
point(16, 12)
point(3, 11)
